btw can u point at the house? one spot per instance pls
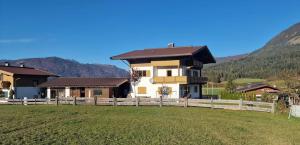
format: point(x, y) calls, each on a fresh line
point(20, 81)
point(171, 72)
point(258, 89)
point(86, 87)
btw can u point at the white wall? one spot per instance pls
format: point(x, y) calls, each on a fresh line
point(28, 92)
point(153, 88)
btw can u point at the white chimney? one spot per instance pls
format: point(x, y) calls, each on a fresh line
point(22, 65)
point(6, 63)
point(171, 45)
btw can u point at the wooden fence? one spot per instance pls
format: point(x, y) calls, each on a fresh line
point(183, 102)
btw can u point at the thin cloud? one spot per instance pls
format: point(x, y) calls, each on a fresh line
point(21, 40)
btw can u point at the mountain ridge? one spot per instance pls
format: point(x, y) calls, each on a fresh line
point(69, 68)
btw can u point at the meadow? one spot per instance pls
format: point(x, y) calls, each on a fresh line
point(143, 125)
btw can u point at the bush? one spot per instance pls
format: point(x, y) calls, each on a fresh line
point(230, 96)
point(267, 98)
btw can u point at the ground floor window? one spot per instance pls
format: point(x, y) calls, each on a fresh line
point(4, 94)
point(97, 92)
point(195, 89)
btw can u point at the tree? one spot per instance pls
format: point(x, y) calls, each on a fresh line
point(230, 86)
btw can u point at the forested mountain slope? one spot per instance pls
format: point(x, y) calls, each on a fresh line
point(280, 56)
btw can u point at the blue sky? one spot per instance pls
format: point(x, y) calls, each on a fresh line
point(90, 31)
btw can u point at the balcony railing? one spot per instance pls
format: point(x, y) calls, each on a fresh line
point(180, 79)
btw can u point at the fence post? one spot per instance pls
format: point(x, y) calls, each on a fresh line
point(22, 101)
point(25, 101)
point(273, 106)
point(212, 102)
point(115, 100)
point(160, 101)
point(56, 100)
point(74, 102)
point(34, 100)
point(95, 100)
point(241, 104)
point(137, 101)
point(185, 102)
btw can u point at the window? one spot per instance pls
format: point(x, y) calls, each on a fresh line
point(35, 83)
point(195, 89)
point(195, 73)
point(97, 92)
point(143, 73)
point(169, 73)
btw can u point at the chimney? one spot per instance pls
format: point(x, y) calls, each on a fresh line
point(171, 45)
point(22, 65)
point(6, 63)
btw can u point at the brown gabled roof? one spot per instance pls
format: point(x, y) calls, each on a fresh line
point(256, 86)
point(85, 82)
point(25, 71)
point(164, 52)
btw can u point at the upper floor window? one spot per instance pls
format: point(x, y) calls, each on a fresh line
point(169, 73)
point(143, 73)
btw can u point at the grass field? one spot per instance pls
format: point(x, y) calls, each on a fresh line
point(143, 125)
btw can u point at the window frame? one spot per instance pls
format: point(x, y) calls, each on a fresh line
point(100, 92)
point(169, 71)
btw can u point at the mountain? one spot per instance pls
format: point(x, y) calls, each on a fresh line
point(70, 68)
point(230, 58)
point(280, 56)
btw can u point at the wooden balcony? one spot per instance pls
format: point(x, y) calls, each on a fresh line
point(180, 80)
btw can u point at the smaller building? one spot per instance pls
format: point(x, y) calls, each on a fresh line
point(20, 81)
point(86, 87)
point(258, 89)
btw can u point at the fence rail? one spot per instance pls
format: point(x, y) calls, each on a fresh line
point(183, 102)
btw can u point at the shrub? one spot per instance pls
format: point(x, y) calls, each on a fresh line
point(230, 96)
point(267, 98)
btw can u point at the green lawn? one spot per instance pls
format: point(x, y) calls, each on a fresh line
point(248, 80)
point(143, 125)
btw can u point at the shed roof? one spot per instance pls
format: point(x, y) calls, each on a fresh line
point(84, 82)
point(256, 86)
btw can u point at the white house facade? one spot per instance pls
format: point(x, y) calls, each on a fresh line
point(171, 72)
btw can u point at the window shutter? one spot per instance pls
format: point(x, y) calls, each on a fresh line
point(142, 90)
point(148, 73)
